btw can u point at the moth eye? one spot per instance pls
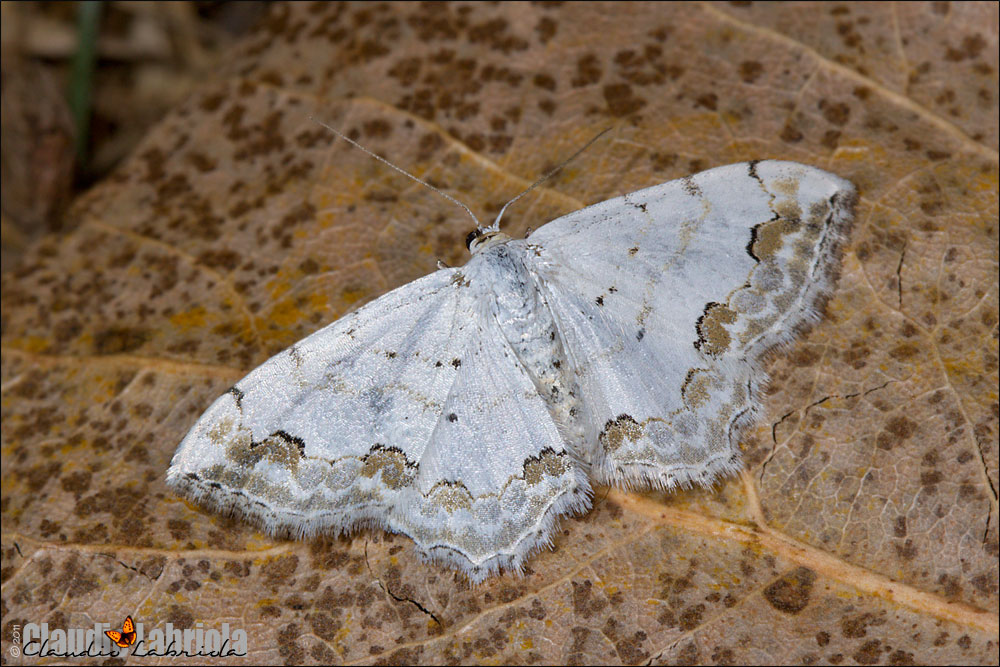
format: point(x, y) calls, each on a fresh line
point(472, 236)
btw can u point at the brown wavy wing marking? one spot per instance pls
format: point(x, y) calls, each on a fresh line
point(713, 338)
point(617, 431)
point(279, 447)
point(696, 388)
point(548, 463)
point(397, 471)
point(453, 495)
point(767, 238)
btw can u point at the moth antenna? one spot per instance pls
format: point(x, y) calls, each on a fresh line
point(381, 159)
point(496, 223)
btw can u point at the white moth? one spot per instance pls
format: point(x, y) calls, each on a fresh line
point(470, 409)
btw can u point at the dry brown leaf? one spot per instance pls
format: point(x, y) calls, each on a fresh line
point(864, 528)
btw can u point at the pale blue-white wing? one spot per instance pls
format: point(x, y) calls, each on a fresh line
point(411, 414)
point(325, 435)
point(497, 472)
point(667, 298)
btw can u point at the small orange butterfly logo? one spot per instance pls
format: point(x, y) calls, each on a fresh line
point(126, 637)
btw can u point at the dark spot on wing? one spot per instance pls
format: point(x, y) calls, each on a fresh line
point(752, 241)
point(687, 381)
point(238, 395)
point(691, 187)
point(287, 437)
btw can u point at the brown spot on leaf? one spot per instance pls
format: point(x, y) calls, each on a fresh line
point(495, 34)
point(791, 593)
point(179, 529)
point(406, 71)
point(377, 128)
point(546, 29)
point(837, 113)
point(585, 603)
point(588, 71)
point(238, 569)
point(288, 646)
point(970, 48)
point(537, 610)
point(870, 653)
point(77, 482)
point(201, 162)
point(896, 430)
point(791, 134)
point(277, 571)
point(691, 617)
point(750, 70)
point(904, 351)
point(907, 550)
point(621, 101)
point(804, 357)
point(986, 583)
point(709, 101)
point(120, 340)
point(856, 626)
point(224, 258)
point(545, 82)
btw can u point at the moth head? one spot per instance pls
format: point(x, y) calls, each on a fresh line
point(479, 239)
